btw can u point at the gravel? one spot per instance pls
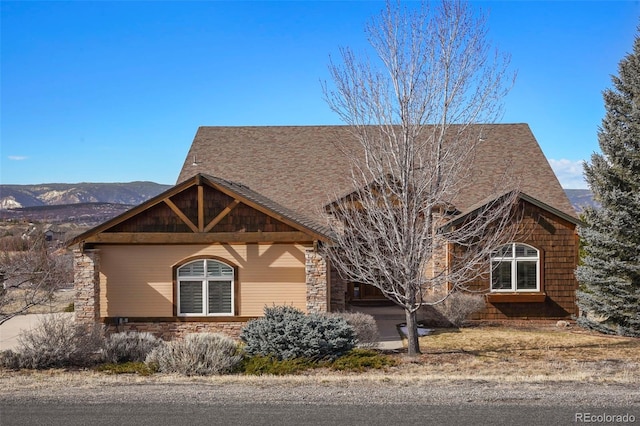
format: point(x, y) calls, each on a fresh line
point(328, 391)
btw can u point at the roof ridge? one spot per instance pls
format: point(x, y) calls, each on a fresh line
point(300, 167)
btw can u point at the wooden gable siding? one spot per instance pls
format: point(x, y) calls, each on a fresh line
point(158, 218)
point(557, 242)
point(201, 206)
point(240, 218)
point(205, 210)
point(216, 202)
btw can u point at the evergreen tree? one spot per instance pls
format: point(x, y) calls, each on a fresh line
point(609, 276)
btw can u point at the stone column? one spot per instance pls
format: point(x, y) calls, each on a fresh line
point(316, 273)
point(86, 268)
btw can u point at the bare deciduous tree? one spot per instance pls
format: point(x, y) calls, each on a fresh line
point(415, 113)
point(30, 273)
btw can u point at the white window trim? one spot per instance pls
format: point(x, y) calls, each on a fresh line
point(514, 272)
point(205, 289)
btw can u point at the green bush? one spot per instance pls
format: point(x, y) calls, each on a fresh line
point(287, 333)
point(361, 360)
point(56, 341)
point(261, 365)
point(129, 346)
point(126, 368)
point(198, 354)
point(355, 360)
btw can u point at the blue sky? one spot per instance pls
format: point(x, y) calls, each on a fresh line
point(115, 91)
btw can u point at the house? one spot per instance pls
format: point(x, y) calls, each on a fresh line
point(242, 229)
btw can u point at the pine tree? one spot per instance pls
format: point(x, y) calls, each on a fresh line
point(609, 276)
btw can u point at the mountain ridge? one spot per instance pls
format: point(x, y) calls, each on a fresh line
point(581, 198)
point(52, 194)
point(96, 202)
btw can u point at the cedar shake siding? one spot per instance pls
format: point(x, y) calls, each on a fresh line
point(556, 240)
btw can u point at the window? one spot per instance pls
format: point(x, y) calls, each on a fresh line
point(205, 287)
point(515, 267)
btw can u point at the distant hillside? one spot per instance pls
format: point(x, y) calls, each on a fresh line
point(81, 214)
point(56, 194)
point(581, 198)
point(93, 203)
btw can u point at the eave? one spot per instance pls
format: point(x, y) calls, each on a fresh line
point(197, 238)
point(522, 197)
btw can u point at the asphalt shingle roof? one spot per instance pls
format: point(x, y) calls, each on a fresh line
point(299, 167)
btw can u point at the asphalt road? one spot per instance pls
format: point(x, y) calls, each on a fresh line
point(71, 414)
point(95, 400)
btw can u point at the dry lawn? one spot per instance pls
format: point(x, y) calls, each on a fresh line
point(493, 356)
point(61, 299)
point(532, 353)
point(526, 353)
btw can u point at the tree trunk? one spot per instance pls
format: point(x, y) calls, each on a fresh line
point(413, 345)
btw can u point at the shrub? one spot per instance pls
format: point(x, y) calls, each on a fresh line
point(126, 368)
point(364, 327)
point(129, 346)
point(9, 359)
point(458, 307)
point(286, 333)
point(260, 365)
point(198, 354)
point(362, 359)
point(56, 341)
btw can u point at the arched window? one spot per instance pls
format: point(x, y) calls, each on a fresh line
point(205, 287)
point(515, 267)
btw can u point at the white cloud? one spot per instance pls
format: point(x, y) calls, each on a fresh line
point(17, 157)
point(569, 173)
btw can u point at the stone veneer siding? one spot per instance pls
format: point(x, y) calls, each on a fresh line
point(316, 273)
point(86, 268)
point(177, 330)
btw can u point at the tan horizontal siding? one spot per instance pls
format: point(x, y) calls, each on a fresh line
point(255, 296)
point(138, 280)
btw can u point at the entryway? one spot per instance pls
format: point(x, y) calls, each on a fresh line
point(387, 319)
